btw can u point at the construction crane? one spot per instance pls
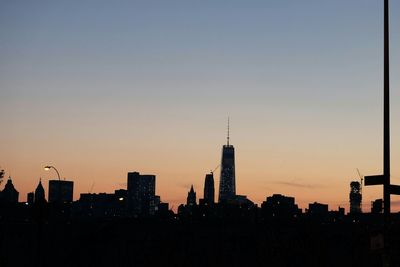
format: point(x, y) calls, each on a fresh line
point(361, 184)
point(212, 171)
point(361, 179)
point(91, 188)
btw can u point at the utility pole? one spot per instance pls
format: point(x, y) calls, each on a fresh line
point(388, 189)
point(384, 179)
point(386, 116)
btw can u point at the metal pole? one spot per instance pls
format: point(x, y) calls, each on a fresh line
point(386, 117)
point(58, 174)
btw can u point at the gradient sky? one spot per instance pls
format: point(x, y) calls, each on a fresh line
point(100, 88)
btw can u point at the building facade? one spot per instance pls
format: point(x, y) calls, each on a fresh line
point(279, 206)
point(209, 191)
point(9, 193)
point(61, 191)
point(191, 198)
point(227, 182)
point(141, 194)
point(30, 198)
point(355, 197)
point(39, 194)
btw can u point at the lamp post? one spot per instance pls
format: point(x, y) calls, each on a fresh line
point(47, 168)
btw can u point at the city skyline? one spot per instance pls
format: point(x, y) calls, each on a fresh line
point(303, 204)
point(136, 86)
point(365, 207)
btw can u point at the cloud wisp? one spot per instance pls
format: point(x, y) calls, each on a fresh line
point(297, 184)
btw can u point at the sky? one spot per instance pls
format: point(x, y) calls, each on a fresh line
point(100, 88)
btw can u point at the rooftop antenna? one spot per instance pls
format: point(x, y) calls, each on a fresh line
point(228, 133)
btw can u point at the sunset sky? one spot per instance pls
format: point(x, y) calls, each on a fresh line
point(99, 88)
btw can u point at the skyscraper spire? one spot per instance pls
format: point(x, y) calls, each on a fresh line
point(227, 138)
point(227, 188)
point(39, 193)
point(191, 198)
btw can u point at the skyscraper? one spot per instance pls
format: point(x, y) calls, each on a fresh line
point(227, 187)
point(141, 193)
point(191, 198)
point(209, 191)
point(355, 197)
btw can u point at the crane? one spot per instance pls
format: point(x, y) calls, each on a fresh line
point(361, 179)
point(212, 171)
point(361, 184)
point(91, 188)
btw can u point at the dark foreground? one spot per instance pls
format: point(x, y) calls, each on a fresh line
point(174, 243)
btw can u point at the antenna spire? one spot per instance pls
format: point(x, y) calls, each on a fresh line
point(227, 138)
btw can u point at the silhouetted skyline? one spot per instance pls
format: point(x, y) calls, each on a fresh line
point(124, 103)
point(102, 89)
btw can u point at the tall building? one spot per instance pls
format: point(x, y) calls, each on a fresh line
point(141, 194)
point(227, 187)
point(9, 193)
point(191, 198)
point(39, 193)
point(209, 190)
point(355, 197)
point(61, 191)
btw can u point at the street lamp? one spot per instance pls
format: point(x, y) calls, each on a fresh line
point(47, 168)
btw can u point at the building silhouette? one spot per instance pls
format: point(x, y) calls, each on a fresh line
point(163, 209)
point(209, 191)
point(100, 205)
point(377, 206)
point(191, 198)
point(61, 191)
point(9, 193)
point(317, 210)
point(355, 197)
point(240, 200)
point(227, 187)
point(279, 206)
point(30, 198)
point(120, 194)
point(39, 193)
point(141, 194)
